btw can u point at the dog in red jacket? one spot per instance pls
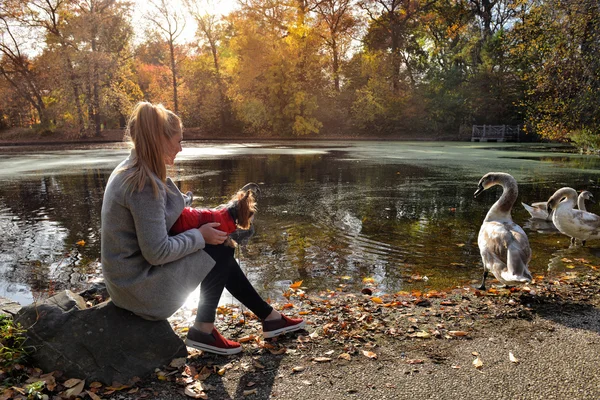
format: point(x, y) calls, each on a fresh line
point(236, 214)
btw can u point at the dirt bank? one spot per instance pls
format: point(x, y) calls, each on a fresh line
point(541, 341)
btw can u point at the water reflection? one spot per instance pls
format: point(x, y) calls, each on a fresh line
point(330, 214)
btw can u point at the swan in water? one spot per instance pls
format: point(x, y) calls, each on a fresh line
point(503, 245)
point(576, 224)
point(539, 210)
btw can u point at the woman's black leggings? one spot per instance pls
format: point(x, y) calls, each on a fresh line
point(227, 274)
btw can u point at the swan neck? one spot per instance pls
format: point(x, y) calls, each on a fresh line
point(504, 204)
point(581, 203)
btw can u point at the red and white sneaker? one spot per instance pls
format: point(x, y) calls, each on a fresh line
point(211, 342)
point(283, 325)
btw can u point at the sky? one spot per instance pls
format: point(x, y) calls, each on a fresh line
point(142, 6)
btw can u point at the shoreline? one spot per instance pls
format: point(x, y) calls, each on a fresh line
point(23, 138)
point(539, 341)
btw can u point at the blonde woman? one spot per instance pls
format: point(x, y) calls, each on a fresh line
point(150, 273)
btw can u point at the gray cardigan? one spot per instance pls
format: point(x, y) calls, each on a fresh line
point(146, 271)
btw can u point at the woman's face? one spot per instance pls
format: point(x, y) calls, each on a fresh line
point(172, 147)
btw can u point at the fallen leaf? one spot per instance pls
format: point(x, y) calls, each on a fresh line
point(512, 357)
point(298, 369)
point(296, 285)
point(245, 339)
point(195, 391)
point(368, 280)
point(370, 354)
point(74, 390)
point(345, 356)
point(477, 362)
point(376, 300)
point(93, 395)
point(415, 361)
point(81, 243)
point(458, 333)
point(178, 362)
point(421, 335)
point(71, 382)
point(249, 392)
point(321, 359)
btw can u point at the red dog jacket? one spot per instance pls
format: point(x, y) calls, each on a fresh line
point(195, 217)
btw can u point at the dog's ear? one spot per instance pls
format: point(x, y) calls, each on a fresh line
point(246, 207)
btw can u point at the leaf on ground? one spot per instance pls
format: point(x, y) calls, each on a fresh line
point(415, 361)
point(250, 392)
point(345, 356)
point(178, 362)
point(370, 354)
point(298, 368)
point(421, 335)
point(458, 333)
point(93, 395)
point(245, 339)
point(204, 373)
point(512, 357)
point(477, 362)
point(368, 280)
point(376, 300)
point(71, 382)
point(195, 391)
point(321, 359)
point(296, 285)
point(74, 390)
point(81, 243)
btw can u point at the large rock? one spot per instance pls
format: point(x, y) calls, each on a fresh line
point(103, 343)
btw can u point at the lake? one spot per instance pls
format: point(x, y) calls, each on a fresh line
point(337, 215)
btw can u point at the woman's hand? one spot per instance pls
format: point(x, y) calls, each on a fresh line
point(212, 235)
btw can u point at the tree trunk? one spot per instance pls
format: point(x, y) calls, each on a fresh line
point(336, 66)
point(174, 76)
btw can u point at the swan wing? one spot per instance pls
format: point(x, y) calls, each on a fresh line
point(518, 257)
point(537, 210)
point(505, 251)
point(587, 218)
point(492, 246)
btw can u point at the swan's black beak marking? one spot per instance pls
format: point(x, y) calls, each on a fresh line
point(478, 191)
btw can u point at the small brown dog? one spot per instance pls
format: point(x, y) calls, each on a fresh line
point(233, 216)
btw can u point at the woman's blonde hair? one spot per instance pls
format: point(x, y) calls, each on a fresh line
point(148, 128)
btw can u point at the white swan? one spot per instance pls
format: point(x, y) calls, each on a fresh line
point(574, 223)
point(503, 245)
point(539, 210)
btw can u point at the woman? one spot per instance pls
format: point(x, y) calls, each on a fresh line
point(151, 273)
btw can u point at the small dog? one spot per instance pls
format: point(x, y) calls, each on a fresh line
point(234, 216)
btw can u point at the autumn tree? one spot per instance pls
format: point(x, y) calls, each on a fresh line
point(210, 32)
point(169, 24)
point(555, 47)
point(17, 67)
point(339, 25)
